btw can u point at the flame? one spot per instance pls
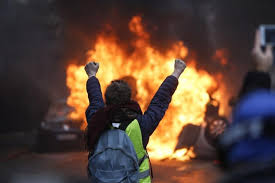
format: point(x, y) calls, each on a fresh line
point(150, 67)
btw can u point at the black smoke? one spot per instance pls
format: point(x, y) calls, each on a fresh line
point(32, 72)
point(204, 26)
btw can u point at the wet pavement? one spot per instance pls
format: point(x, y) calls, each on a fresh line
point(24, 166)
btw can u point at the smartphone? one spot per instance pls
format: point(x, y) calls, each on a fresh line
point(267, 34)
point(268, 37)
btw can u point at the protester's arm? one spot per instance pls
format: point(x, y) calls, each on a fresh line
point(93, 89)
point(259, 78)
point(159, 104)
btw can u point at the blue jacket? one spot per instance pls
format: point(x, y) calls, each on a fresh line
point(150, 119)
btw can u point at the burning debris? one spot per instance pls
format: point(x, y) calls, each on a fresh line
point(202, 139)
point(148, 66)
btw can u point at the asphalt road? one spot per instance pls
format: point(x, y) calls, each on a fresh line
point(22, 166)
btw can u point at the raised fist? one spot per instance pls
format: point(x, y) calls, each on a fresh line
point(91, 68)
point(178, 67)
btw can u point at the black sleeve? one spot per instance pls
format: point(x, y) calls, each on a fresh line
point(157, 108)
point(95, 97)
point(255, 80)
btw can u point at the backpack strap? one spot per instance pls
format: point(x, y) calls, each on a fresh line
point(144, 174)
point(142, 159)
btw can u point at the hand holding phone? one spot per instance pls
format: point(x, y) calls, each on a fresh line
point(263, 58)
point(267, 37)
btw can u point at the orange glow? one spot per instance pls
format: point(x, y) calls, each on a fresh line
point(221, 56)
point(150, 67)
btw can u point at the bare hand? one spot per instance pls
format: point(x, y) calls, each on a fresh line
point(91, 68)
point(179, 67)
point(263, 60)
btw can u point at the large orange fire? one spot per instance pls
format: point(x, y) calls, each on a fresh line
point(149, 67)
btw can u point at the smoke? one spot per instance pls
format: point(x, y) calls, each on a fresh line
point(40, 37)
point(31, 74)
point(203, 26)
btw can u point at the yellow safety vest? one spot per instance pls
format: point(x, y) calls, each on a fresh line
point(134, 133)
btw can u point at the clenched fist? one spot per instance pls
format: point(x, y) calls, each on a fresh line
point(178, 68)
point(91, 68)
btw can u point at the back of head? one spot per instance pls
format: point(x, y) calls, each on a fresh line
point(132, 82)
point(118, 92)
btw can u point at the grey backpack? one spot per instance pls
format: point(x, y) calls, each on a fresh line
point(114, 159)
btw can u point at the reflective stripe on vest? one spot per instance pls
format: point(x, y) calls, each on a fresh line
point(134, 133)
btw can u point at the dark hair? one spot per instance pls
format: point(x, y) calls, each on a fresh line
point(118, 92)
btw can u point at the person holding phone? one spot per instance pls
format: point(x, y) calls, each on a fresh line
point(247, 147)
point(260, 77)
